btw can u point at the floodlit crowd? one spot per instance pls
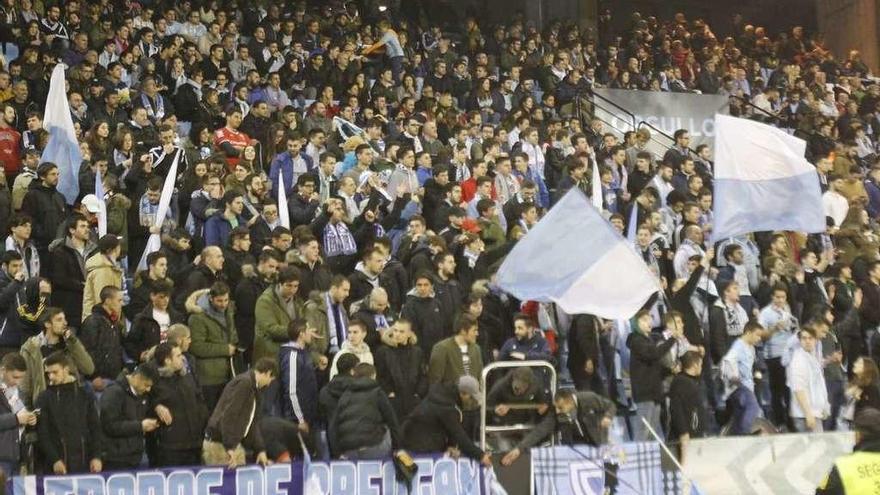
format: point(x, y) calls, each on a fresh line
point(347, 180)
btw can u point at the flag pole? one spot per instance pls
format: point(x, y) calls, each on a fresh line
point(686, 482)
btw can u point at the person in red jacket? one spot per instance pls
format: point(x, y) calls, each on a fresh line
point(10, 146)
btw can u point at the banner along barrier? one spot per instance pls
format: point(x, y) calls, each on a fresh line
point(435, 476)
point(665, 111)
point(791, 463)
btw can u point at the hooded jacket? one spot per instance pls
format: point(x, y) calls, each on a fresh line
point(362, 283)
point(435, 424)
point(362, 352)
point(102, 337)
point(402, 370)
point(100, 272)
point(179, 392)
point(121, 415)
point(68, 276)
point(212, 333)
point(145, 332)
point(272, 319)
point(363, 415)
point(646, 367)
point(68, 429)
point(236, 419)
point(425, 315)
point(34, 381)
point(48, 206)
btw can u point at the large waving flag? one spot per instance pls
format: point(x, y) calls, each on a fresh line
point(762, 181)
point(574, 258)
point(62, 148)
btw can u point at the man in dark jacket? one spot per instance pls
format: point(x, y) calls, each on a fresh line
point(330, 394)
point(207, 273)
point(687, 414)
point(313, 274)
point(447, 291)
point(45, 203)
point(423, 310)
point(14, 416)
point(101, 334)
point(156, 272)
point(435, 424)
point(646, 372)
point(69, 432)
point(246, 294)
point(124, 418)
point(583, 353)
point(299, 382)
point(177, 402)
point(519, 387)
point(236, 419)
point(146, 330)
point(581, 417)
point(364, 425)
point(526, 344)
point(401, 368)
point(12, 281)
point(68, 267)
point(366, 275)
point(376, 314)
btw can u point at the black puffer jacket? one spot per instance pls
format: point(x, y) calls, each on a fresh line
point(121, 416)
point(68, 429)
point(330, 394)
point(68, 276)
point(424, 314)
point(145, 332)
point(182, 396)
point(103, 340)
point(435, 424)
point(48, 206)
point(401, 370)
point(645, 367)
point(363, 415)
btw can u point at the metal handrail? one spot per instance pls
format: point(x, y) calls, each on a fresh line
point(485, 393)
point(756, 107)
point(615, 105)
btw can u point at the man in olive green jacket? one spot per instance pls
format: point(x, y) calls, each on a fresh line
point(448, 363)
point(318, 313)
point(214, 340)
point(56, 336)
point(276, 307)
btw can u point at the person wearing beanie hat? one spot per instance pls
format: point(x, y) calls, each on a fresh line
point(858, 472)
point(101, 271)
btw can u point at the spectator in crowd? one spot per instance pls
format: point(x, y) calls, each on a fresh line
point(738, 375)
point(520, 387)
point(101, 334)
point(646, 370)
point(44, 202)
point(214, 340)
point(354, 344)
point(151, 326)
point(14, 416)
point(400, 368)
point(422, 310)
point(101, 272)
point(68, 267)
point(235, 421)
point(326, 313)
point(809, 397)
point(364, 425)
point(55, 337)
point(275, 308)
point(124, 422)
point(688, 416)
point(69, 433)
point(299, 382)
point(527, 344)
point(177, 402)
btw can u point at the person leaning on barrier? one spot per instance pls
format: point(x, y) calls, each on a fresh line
point(581, 418)
point(858, 472)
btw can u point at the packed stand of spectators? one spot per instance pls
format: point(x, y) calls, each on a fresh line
point(364, 327)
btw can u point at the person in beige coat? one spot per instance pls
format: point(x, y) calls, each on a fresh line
point(101, 271)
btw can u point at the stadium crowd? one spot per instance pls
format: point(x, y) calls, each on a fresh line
point(363, 327)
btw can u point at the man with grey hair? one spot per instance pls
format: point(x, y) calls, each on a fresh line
point(374, 311)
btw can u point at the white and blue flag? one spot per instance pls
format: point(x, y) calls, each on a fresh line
point(574, 258)
point(762, 181)
point(62, 149)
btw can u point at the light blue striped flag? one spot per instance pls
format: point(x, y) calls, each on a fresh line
point(62, 148)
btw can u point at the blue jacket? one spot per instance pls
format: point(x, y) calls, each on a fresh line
point(873, 205)
point(299, 385)
point(218, 229)
point(284, 163)
point(535, 348)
